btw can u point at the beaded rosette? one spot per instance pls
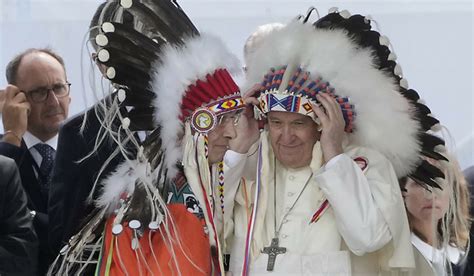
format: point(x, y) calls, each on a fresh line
point(204, 119)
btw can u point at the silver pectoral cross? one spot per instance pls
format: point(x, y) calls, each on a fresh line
point(273, 251)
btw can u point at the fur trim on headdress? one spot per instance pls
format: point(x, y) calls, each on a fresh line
point(384, 118)
point(121, 181)
point(180, 67)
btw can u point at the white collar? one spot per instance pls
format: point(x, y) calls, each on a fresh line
point(435, 255)
point(31, 140)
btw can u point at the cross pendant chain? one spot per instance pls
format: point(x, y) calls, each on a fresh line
point(273, 251)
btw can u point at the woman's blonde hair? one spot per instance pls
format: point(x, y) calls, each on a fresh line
point(454, 226)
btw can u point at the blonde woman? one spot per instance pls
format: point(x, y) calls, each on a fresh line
point(439, 219)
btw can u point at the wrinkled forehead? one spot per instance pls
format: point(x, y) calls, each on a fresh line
point(230, 114)
point(39, 70)
point(288, 116)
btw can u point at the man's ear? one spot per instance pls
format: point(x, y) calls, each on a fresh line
point(319, 128)
point(263, 123)
point(404, 192)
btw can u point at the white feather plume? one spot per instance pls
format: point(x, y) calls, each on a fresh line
point(180, 67)
point(122, 180)
point(384, 119)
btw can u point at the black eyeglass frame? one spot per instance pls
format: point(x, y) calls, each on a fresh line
point(44, 92)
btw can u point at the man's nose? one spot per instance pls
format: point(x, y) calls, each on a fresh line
point(52, 99)
point(229, 130)
point(287, 134)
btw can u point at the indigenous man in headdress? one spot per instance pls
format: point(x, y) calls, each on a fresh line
point(197, 110)
point(325, 199)
point(159, 214)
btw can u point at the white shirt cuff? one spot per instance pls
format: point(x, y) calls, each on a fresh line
point(333, 161)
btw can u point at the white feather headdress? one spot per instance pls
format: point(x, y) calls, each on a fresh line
point(181, 67)
point(382, 112)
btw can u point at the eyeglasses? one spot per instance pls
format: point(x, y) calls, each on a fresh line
point(41, 94)
point(231, 117)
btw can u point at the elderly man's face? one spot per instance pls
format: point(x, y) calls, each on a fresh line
point(292, 136)
point(38, 70)
point(219, 137)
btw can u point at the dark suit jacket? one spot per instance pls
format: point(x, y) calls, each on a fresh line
point(36, 200)
point(72, 181)
point(18, 242)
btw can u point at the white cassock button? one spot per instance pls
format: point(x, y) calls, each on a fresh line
point(287, 209)
point(291, 177)
point(285, 221)
point(284, 236)
point(290, 194)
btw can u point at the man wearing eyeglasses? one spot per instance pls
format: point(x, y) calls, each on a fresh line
point(36, 103)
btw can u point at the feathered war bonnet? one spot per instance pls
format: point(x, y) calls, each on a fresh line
point(194, 85)
point(295, 63)
point(359, 28)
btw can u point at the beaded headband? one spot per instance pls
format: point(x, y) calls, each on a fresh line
point(280, 92)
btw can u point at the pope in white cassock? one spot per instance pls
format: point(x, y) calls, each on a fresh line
point(319, 193)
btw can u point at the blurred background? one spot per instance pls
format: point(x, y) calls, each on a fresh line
point(432, 39)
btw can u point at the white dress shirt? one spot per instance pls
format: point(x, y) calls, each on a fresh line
point(437, 257)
